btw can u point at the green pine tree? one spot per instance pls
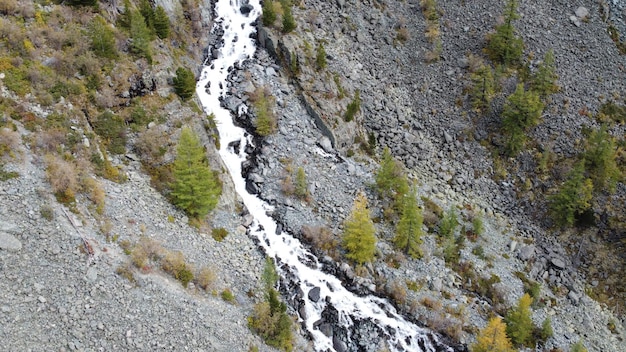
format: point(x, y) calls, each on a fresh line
point(573, 197)
point(522, 110)
point(519, 323)
point(483, 88)
point(409, 229)
point(289, 23)
point(391, 181)
point(359, 235)
point(140, 36)
point(102, 38)
point(269, 14)
point(196, 189)
point(600, 160)
point(161, 23)
point(184, 83)
point(544, 79)
point(124, 19)
point(504, 46)
point(146, 10)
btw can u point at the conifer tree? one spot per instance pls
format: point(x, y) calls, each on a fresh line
point(161, 23)
point(483, 88)
point(409, 229)
point(391, 183)
point(600, 159)
point(140, 36)
point(146, 10)
point(573, 198)
point(359, 237)
point(184, 83)
point(124, 19)
point(504, 46)
point(522, 111)
point(196, 189)
point(492, 338)
point(269, 14)
point(519, 324)
point(289, 23)
point(544, 80)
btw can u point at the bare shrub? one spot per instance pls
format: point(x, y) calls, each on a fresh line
point(94, 192)
point(8, 7)
point(205, 278)
point(174, 264)
point(431, 303)
point(144, 251)
point(397, 292)
point(150, 146)
point(63, 178)
point(447, 326)
point(9, 141)
point(48, 141)
point(322, 238)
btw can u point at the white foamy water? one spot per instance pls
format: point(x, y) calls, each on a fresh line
point(400, 334)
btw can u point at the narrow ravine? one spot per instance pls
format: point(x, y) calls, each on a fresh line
point(297, 265)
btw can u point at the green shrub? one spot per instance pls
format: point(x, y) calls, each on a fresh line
point(353, 107)
point(578, 347)
point(102, 38)
point(448, 224)
point(611, 111)
point(271, 322)
point(477, 226)
point(600, 160)
point(7, 175)
point(47, 212)
point(546, 331)
point(320, 57)
point(301, 189)
point(227, 295)
point(219, 234)
point(112, 130)
point(184, 83)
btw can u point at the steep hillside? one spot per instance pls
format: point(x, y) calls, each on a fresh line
point(517, 166)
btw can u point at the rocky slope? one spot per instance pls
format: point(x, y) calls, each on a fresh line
point(60, 287)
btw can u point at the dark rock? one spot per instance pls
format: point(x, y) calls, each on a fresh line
point(246, 9)
point(314, 294)
point(339, 345)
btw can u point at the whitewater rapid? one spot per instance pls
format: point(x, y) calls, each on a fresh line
point(238, 46)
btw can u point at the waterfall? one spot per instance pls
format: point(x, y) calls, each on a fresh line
point(298, 266)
